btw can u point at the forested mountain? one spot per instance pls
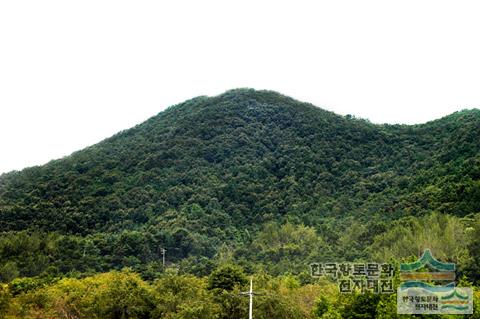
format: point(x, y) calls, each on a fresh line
point(216, 169)
point(248, 178)
point(247, 157)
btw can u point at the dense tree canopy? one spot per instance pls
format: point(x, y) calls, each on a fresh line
point(249, 179)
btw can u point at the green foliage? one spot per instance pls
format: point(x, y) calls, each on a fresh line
point(286, 248)
point(8, 271)
point(361, 306)
point(473, 267)
point(109, 295)
point(217, 169)
point(247, 180)
point(5, 300)
point(227, 277)
point(322, 306)
point(446, 236)
point(184, 297)
point(125, 295)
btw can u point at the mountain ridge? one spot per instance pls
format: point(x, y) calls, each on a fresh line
point(463, 112)
point(217, 165)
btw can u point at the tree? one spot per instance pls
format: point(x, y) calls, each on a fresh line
point(5, 299)
point(183, 296)
point(227, 277)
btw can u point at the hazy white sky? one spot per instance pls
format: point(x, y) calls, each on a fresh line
point(75, 72)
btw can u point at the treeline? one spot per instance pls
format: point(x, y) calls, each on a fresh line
point(221, 295)
point(125, 295)
point(276, 249)
point(215, 289)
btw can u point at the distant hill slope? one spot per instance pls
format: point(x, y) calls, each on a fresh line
point(246, 157)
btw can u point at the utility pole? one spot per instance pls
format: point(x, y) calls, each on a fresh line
point(250, 295)
point(250, 307)
point(163, 257)
point(88, 241)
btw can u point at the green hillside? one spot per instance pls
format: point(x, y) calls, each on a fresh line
point(251, 178)
point(216, 169)
point(247, 157)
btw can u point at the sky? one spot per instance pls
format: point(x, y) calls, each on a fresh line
point(73, 73)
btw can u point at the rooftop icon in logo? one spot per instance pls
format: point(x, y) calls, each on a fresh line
point(444, 271)
point(427, 260)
